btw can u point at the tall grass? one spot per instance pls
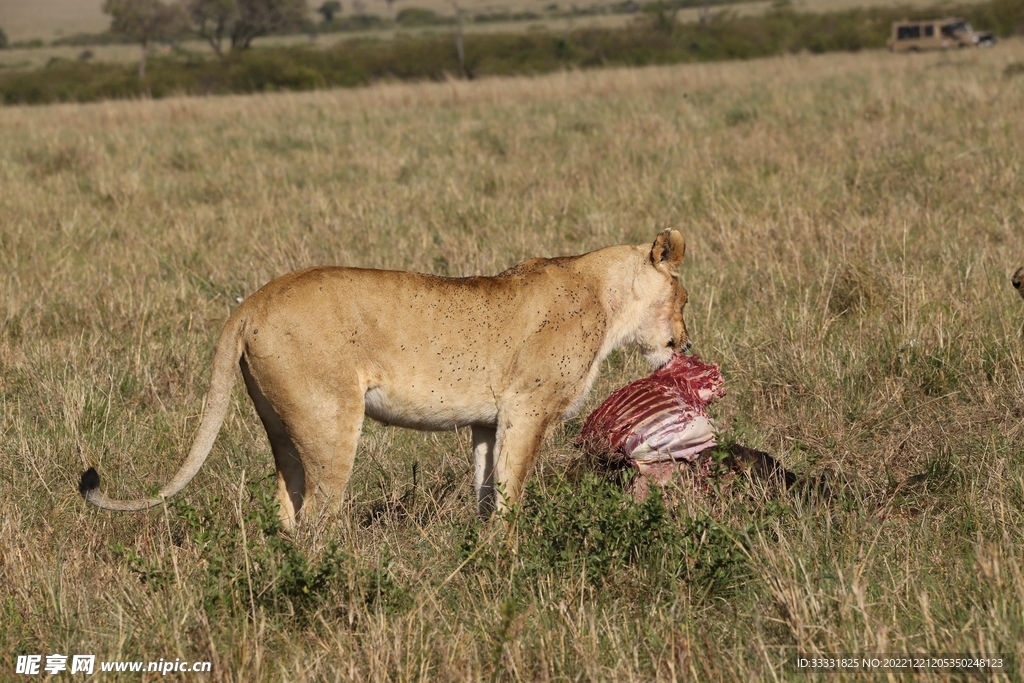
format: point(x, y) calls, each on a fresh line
point(851, 223)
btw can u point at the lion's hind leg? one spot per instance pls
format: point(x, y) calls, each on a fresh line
point(291, 475)
point(314, 442)
point(325, 422)
point(328, 448)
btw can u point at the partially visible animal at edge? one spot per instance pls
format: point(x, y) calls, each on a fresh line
point(1018, 280)
point(508, 356)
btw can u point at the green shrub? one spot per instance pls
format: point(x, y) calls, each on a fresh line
point(361, 22)
point(91, 39)
point(238, 569)
point(28, 44)
point(492, 17)
point(417, 16)
point(592, 528)
point(1002, 17)
point(261, 70)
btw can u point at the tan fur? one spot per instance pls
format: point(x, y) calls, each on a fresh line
point(1018, 281)
point(507, 355)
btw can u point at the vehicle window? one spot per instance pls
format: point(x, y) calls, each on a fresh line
point(929, 31)
point(907, 32)
point(947, 30)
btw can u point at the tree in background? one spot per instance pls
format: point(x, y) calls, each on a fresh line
point(3, 39)
point(213, 20)
point(146, 22)
point(329, 9)
point(460, 50)
point(239, 21)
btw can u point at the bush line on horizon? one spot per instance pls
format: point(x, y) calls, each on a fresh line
point(657, 39)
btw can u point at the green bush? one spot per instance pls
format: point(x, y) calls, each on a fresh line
point(91, 39)
point(262, 70)
point(417, 16)
point(29, 44)
point(238, 570)
point(491, 17)
point(1002, 17)
point(360, 22)
point(592, 528)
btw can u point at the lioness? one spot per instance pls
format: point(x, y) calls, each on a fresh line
point(507, 355)
point(1018, 279)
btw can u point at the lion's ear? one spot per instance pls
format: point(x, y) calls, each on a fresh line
point(668, 248)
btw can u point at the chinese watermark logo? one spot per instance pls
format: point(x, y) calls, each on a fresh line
point(35, 665)
point(32, 665)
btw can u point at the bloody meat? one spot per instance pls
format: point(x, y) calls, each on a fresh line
point(658, 418)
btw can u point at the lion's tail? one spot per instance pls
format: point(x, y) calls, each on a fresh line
point(218, 398)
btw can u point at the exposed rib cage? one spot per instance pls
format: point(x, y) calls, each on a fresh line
point(658, 418)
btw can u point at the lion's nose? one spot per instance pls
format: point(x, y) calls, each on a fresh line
point(679, 347)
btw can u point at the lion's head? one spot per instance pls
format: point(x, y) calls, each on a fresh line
point(1018, 279)
point(664, 333)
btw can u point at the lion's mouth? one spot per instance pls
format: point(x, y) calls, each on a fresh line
point(659, 357)
point(673, 344)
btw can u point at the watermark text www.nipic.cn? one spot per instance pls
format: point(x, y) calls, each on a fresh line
point(34, 665)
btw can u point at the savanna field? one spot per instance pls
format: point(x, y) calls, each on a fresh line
point(852, 222)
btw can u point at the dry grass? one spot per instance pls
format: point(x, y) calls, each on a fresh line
point(852, 223)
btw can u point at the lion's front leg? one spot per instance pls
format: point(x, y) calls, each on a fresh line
point(518, 442)
point(483, 468)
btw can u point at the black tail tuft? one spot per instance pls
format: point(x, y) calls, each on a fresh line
point(90, 482)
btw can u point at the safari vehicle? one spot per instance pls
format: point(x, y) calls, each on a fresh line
point(936, 34)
